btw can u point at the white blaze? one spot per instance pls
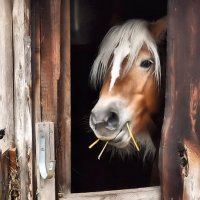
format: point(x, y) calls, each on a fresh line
point(119, 54)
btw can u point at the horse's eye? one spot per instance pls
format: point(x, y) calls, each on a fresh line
point(146, 63)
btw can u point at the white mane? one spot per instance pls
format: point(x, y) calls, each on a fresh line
point(122, 41)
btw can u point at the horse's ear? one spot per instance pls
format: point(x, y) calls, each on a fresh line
point(158, 29)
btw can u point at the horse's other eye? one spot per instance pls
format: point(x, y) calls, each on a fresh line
point(146, 63)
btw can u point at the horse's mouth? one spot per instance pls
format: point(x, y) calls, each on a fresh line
point(119, 140)
point(122, 139)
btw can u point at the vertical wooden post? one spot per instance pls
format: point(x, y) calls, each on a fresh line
point(35, 34)
point(181, 180)
point(50, 57)
point(22, 94)
point(63, 170)
point(46, 75)
point(6, 75)
point(50, 71)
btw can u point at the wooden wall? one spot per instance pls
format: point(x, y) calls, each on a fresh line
point(15, 98)
point(30, 93)
point(6, 93)
point(51, 97)
point(36, 87)
point(46, 70)
point(180, 145)
point(6, 74)
point(63, 169)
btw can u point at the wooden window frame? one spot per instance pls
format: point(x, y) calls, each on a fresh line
point(141, 193)
point(52, 100)
point(36, 88)
point(51, 72)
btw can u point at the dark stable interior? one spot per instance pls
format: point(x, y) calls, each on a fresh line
point(90, 20)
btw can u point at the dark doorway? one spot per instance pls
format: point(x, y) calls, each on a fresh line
point(90, 20)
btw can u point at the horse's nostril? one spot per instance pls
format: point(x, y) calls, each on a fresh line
point(112, 121)
point(104, 120)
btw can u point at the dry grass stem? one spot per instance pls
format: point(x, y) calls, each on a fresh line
point(131, 134)
point(94, 143)
point(102, 150)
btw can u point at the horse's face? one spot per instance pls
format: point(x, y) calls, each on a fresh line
point(133, 98)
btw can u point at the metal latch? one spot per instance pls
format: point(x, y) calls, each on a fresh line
point(45, 149)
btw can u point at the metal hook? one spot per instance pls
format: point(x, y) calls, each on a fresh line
point(46, 149)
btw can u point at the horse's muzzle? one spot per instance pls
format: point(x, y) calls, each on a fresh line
point(107, 120)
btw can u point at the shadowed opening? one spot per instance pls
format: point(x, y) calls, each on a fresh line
point(88, 27)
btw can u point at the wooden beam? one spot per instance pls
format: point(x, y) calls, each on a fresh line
point(182, 121)
point(50, 57)
point(150, 193)
point(63, 140)
point(36, 105)
point(22, 94)
point(6, 74)
point(46, 75)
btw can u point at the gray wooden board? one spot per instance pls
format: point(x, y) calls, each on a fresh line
point(149, 193)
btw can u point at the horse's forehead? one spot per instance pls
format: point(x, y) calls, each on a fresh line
point(119, 54)
point(119, 67)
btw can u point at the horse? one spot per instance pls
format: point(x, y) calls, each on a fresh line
point(128, 71)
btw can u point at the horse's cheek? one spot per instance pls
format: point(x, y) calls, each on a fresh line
point(151, 94)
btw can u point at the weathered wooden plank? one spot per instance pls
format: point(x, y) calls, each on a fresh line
point(150, 193)
point(63, 143)
point(50, 57)
point(47, 72)
point(22, 94)
point(182, 121)
point(35, 35)
point(36, 60)
point(6, 74)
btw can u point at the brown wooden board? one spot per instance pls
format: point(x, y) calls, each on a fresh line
point(50, 57)
point(4, 175)
point(46, 69)
point(36, 105)
point(180, 139)
point(63, 168)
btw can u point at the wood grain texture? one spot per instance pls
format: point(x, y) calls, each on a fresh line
point(150, 193)
point(36, 105)
point(6, 75)
point(63, 142)
point(50, 57)
point(4, 175)
point(22, 94)
point(182, 119)
point(46, 75)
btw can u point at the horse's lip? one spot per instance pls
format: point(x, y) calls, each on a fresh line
point(113, 140)
point(121, 140)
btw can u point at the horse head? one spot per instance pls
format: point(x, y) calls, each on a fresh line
point(129, 71)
